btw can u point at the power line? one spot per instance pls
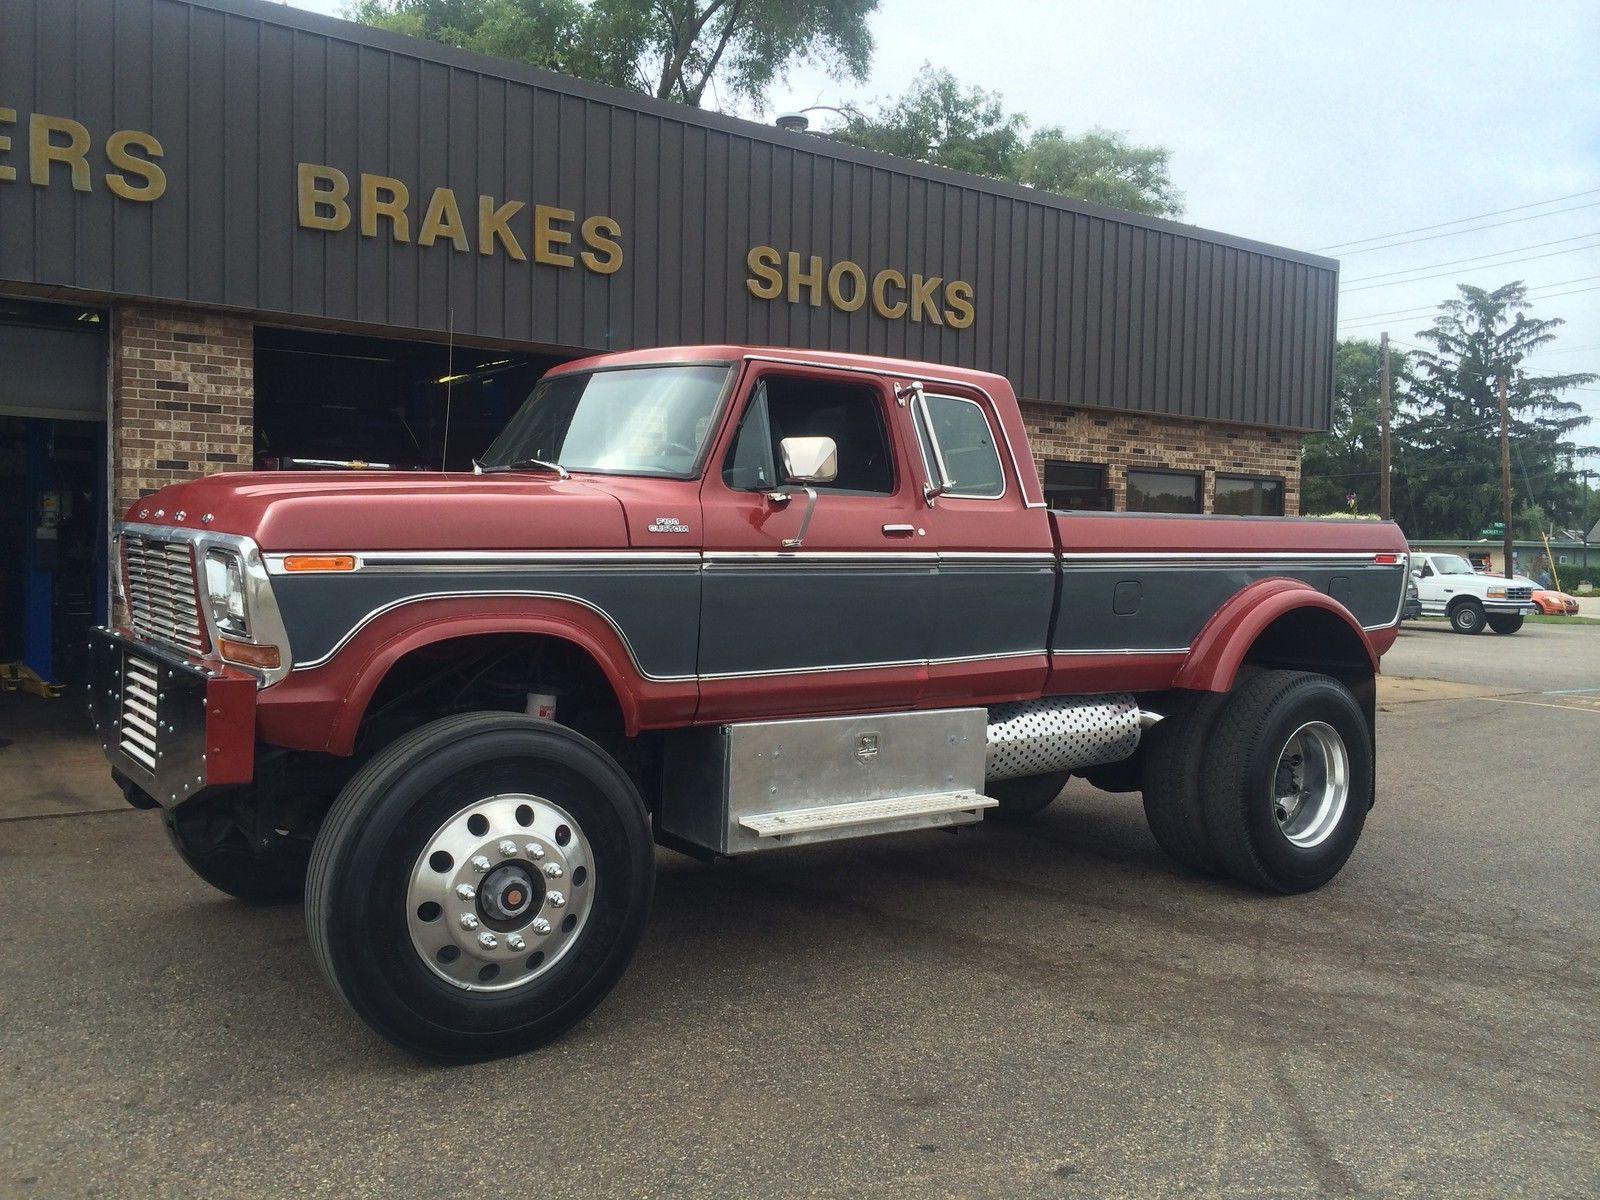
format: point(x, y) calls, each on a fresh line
point(1485, 267)
point(1380, 237)
point(1404, 313)
point(1433, 237)
point(1476, 257)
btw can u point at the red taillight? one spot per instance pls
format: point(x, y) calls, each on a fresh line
point(1386, 560)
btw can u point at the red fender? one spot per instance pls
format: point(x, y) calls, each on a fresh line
point(1215, 657)
point(322, 708)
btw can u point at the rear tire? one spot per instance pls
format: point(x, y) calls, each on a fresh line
point(1467, 617)
point(1505, 622)
point(1173, 754)
point(522, 795)
point(212, 845)
point(1025, 797)
point(1287, 780)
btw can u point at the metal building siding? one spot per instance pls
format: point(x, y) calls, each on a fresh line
point(1076, 304)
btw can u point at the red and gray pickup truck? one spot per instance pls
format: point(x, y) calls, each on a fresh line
point(724, 600)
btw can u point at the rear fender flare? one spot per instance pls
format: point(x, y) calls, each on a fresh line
point(1223, 644)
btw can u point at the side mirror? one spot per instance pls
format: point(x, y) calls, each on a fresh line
point(809, 460)
point(1416, 573)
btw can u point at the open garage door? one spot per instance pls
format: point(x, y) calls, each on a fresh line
point(325, 401)
point(52, 485)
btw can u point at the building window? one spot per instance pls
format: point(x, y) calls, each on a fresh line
point(1076, 487)
point(1249, 496)
point(1165, 491)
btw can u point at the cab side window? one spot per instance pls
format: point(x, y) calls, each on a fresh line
point(966, 443)
point(782, 406)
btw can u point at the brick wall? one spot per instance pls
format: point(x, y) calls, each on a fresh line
point(183, 388)
point(1124, 440)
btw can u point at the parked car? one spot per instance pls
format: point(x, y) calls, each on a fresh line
point(1449, 587)
point(1555, 604)
point(726, 600)
point(1412, 608)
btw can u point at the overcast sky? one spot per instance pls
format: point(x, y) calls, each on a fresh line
point(1310, 125)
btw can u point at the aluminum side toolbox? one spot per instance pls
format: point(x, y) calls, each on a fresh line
point(733, 789)
point(172, 726)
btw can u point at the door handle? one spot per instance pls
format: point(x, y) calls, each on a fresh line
point(899, 530)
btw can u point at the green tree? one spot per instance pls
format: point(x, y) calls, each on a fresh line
point(1344, 461)
point(671, 49)
point(939, 121)
point(942, 122)
point(1102, 166)
point(1453, 420)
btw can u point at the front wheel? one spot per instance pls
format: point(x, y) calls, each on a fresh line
point(1505, 622)
point(211, 842)
point(1287, 780)
point(1467, 617)
point(480, 885)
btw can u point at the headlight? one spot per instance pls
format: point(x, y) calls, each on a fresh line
point(225, 591)
point(1496, 593)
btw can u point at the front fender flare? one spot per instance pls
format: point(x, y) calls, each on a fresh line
point(1218, 652)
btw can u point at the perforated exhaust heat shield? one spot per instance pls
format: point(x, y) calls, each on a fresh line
point(1061, 733)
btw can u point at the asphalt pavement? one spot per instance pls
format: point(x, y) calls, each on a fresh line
point(1050, 1010)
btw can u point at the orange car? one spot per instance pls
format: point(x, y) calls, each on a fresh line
point(1554, 604)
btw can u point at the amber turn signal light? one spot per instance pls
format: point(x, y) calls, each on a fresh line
point(248, 655)
point(319, 562)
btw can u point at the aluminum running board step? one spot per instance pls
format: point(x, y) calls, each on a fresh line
point(891, 815)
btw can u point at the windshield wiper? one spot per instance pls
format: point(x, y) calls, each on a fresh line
point(523, 464)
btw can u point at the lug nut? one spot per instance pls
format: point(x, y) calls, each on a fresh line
point(515, 941)
point(488, 940)
point(469, 920)
point(540, 926)
point(554, 899)
point(466, 891)
point(480, 864)
point(534, 851)
point(508, 848)
point(554, 870)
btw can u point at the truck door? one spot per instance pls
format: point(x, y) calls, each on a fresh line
point(997, 562)
point(836, 618)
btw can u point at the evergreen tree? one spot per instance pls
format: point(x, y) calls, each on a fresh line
point(1452, 419)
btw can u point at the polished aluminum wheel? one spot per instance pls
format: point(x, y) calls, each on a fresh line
point(500, 892)
point(1311, 785)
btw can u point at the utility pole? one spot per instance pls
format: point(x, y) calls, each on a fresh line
point(1383, 418)
point(1505, 478)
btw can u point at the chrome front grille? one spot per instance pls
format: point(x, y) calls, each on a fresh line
point(139, 722)
point(1519, 593)
point(161, 592)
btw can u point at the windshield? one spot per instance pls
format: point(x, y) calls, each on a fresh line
point(625, 421)
point(1451, 564)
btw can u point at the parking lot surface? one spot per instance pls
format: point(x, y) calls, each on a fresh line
point(1047, 1010)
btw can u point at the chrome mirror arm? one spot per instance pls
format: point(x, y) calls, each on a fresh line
point(798, 539)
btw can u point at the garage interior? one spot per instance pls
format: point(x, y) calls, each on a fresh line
point(53, 401)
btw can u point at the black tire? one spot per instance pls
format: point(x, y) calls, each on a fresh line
point(1505, 622)
point(356, 889)
point(213, 846)
point(1025, 797)
point(1173, 754)
point(1124, 776)
point(1241, 772)
point(1467, 616)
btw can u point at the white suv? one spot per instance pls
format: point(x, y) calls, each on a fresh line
point(1449, 587)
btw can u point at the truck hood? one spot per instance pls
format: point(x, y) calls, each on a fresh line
point(392, 510)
